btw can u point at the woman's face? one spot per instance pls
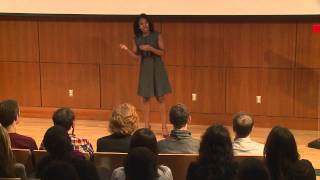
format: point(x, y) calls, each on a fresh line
point(143, 25)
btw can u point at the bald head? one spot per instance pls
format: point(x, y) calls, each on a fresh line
point(242, 124)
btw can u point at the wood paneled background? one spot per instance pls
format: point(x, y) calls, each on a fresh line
point(226, 63)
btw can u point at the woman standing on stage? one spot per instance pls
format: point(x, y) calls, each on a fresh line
point(153, 79)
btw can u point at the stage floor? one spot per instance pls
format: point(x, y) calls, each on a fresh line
point(93, 129)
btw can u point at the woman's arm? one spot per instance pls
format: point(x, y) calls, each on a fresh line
point(159, 51)
point(132, 52)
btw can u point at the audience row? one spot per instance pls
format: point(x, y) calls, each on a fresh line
point(216, 149)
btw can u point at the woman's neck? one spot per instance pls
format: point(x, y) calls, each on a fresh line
point(12, 128)
point(146, 33)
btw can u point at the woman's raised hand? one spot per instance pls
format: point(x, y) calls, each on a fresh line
point(123, 47)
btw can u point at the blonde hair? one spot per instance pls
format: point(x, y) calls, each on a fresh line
point(124, 119)
point(6, 156)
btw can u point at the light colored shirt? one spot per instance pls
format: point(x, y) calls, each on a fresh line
point(247, 147)
point(163, 171)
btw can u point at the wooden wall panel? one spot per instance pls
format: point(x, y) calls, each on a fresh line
point(259, 44)
point(208, 45)
point(275, 86)
point(308, 45)
point(307, 91)
point(114, 34)
point(20, 81)
point(76, 41)
point(180, 81)
point(209, 85)
point(243, 85)
point(57, 79)
point(179, 42)
point(226, 63)
point(119, 85)
point(19, 39)
point(277, 89)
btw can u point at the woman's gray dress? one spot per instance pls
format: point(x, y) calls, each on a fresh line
point(153, 78)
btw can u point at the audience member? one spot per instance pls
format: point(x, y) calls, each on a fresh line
point(215, 160)
point(8, 167)
point(65, 118)
point(9, 118)
point(253, 169)
point(180, 139)
point(242, 144)
point(59, 170)
point(123, 122)
point(282, 157)
point(142, 160)
point(58, 145)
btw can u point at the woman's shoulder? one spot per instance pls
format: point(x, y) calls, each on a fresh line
point(164, 168)
point(164, 173)
point(305, 163)
point(118, 174)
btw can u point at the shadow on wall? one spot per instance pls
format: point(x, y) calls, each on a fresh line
point(306, 81)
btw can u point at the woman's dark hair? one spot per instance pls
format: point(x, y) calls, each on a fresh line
point(280, 152)
point(59, 170)
point(136, 28)
point(146, 138)
point(141, 164)
point(215, 153)
point(58, 143)
point(253, 169)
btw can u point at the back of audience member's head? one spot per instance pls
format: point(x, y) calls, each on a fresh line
point(253, 169)
point(6, 155)
point(280, 151)
point(9, 112)
point(146, 138)
point(215, 153)
point(57, 142)
point(59, 170)
point(124, 119)
point(179, 115)
point(63, 117)
point(242, 124)
point(141, 164)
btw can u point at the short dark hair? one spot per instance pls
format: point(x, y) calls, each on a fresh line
point(252, 169)
point(242, 124)
point(58, 143)
point(9, 110)
point(141, 164)
point(136, 29)
point(179, 115)
point(63, 117)
point(146, 138)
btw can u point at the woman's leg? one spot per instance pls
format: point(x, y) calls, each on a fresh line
point(146, 111)
point(163, 115)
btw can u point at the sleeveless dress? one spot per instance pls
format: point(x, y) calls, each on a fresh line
point(153, 78)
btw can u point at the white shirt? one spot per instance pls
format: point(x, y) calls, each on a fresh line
point(163, 171)
point(247, 147)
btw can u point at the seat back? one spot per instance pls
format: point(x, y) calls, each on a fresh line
point(24, 156)
point(106, 162)
point(241, 158)
point(38, 155)
point(178, 163)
